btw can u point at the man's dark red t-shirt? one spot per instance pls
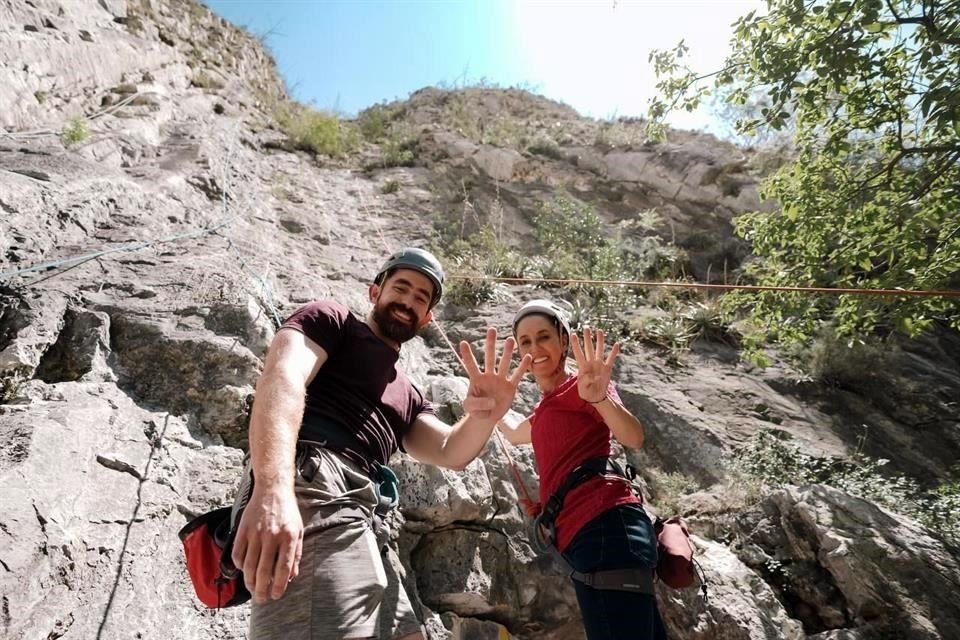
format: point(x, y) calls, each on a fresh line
point(566, 431)
point(359, 403)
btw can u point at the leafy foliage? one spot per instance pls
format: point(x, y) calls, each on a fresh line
point(774, 462)
point(671, 332)
point(317, 131)
point(74, 132)
point(575, 244)
point(708, 321)
point(669, 489)
point(871, 90)
point(684, 323)
point(476, 250)
point(376, 121)
point(835, 363)
point(546, 146)
point(477, 258)
point(398, 152)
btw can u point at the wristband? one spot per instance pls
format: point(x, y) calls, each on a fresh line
point(599, 401)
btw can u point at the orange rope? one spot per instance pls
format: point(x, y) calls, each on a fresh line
point(531, 506)
point(917, 293)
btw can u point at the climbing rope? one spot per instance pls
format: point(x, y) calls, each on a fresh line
point(650, 284)
point(74, 261)
point(39, 133)
point(927, 293)
point(530, 506)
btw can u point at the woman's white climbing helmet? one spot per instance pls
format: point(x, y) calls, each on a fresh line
point(545, 308)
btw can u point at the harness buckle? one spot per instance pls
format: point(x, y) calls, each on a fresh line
point(543, 535)
point(552, 508)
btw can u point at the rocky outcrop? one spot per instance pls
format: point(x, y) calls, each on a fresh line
point(505, 149)
point(737, 603)
point(72, 58)
point(850, 569)
point(815, 562)
point(146, 266)
point(29, 327)
point(94, 490)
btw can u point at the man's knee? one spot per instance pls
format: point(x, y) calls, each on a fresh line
point(413, 636)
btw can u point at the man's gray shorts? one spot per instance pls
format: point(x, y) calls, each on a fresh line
point(347, 586)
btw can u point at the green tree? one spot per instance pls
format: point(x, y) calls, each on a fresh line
point(871, 196)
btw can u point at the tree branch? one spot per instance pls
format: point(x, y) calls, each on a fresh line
point(927, 21)
point(682, 92)
point(886, 169)
point(893, 11)
point(935, 174)
point(928, 150)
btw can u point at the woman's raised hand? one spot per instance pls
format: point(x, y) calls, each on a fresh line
point(593, 370)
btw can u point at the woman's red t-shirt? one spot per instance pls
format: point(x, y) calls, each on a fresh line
point(566, 431)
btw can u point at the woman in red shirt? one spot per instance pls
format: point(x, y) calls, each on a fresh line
point(601, 527)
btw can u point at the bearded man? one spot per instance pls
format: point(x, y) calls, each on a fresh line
point(331, 408)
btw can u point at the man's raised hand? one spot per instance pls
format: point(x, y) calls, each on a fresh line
point(492, 390)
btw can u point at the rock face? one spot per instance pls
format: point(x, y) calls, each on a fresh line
point(61, 58)
point(842, 562)
point(145, 267)
point(94, 490)
point(695, 183)
point(739, 604)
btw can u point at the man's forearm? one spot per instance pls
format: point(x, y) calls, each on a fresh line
point(466, 440)
point(274, 425)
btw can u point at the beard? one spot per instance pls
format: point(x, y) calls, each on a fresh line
point(392, 327)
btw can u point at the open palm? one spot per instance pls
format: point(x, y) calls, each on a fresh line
point(492, 390)
point(593, 370)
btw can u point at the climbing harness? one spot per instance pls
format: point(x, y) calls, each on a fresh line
point(544, 538)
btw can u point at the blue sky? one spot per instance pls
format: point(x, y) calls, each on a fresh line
point(591, 55)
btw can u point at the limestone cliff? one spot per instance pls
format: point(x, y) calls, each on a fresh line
point(155, 225)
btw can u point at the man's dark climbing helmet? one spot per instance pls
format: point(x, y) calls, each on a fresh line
point(418, 260)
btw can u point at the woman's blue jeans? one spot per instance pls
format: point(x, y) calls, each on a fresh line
point(620, 538)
